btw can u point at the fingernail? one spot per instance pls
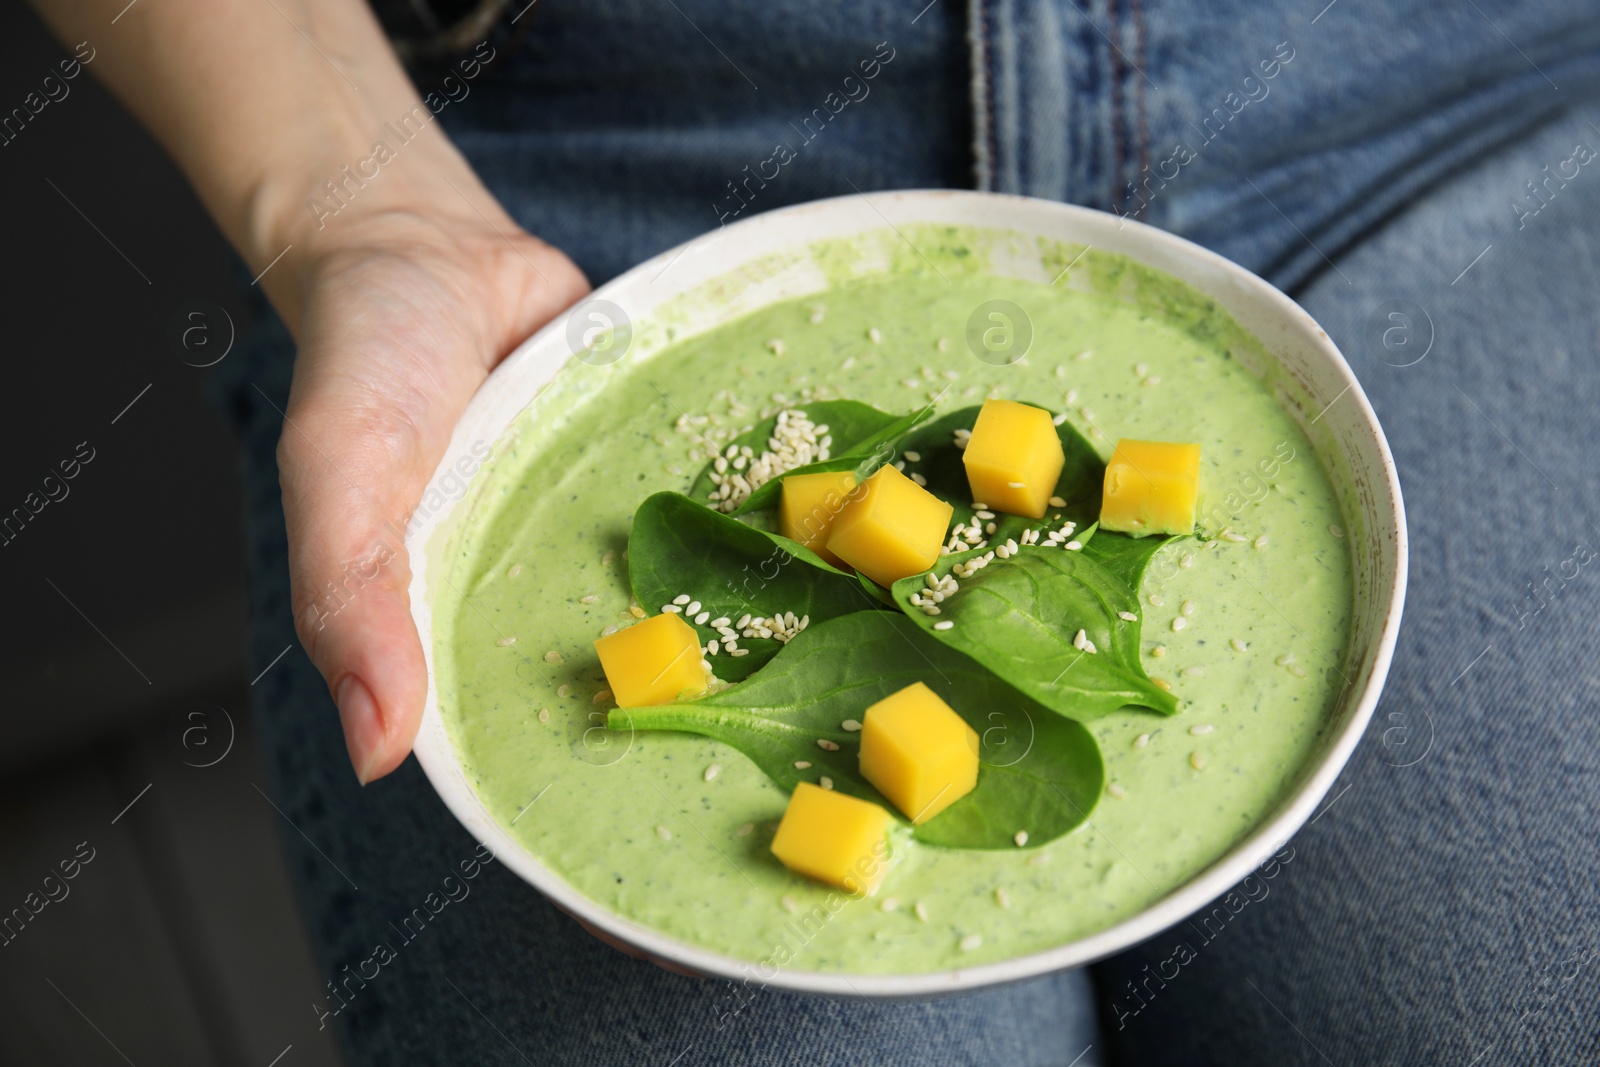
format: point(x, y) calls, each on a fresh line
point(363, 728)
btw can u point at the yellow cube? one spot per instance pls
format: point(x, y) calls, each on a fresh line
point(1013, 458)
point(810, 503)
point(1150, 488)
point(891, 528)
point(656, 661)
point(918, 752)
point(834, 838)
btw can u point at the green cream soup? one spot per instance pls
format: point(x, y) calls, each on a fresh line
point(1243, 621)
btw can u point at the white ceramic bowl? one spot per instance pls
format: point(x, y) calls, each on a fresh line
point(761, 260)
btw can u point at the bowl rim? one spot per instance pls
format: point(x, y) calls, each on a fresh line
point(438, 759)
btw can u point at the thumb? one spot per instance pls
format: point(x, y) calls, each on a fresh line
point(392, 348)
point(347, 485)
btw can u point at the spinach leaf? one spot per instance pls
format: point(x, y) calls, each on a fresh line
point(1080, 484)
point(678, 546)
point(858, 431)
point(1039, 772)
point(1020, 617)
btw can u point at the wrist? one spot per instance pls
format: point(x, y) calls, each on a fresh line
point(370, 185)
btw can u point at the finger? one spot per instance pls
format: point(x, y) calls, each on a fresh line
point(389, 357)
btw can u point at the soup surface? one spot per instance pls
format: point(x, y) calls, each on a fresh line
point(632, 821)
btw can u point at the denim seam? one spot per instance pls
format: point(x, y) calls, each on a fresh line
point(1118, 103)
point(1143, 131)
point(985, 149)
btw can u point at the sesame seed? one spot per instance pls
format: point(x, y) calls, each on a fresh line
point(1059, 419)
point(1179, 623)
point(1017, 485)
point(590, 599)
point(914, 457)
point(1079, 638)
point(1187, 560)
point(875, 335)
point(787, 903)
point(720, 623)
point(702, 618)
point(802, 764)
point(826, 745)
point(1020, 837)
point(564, 691)
point(1297, 670)
point(825, 782)
point(978, 505)
point(1127, 616)
point(746, 830)
point(1141, 741)
point(609, 557)
point(1197, 760)
point(692, 609)
point(601, 697)
point(850, 361)
point(945, 625)
point(1161, 683)
point(1336, 530)
point(1073, 546)
point(1285, 659)
point(663, 833)
point(1187, 609)
point(971, 942)
point(544, 714)
point(636, 611)
point(889, 904)
point(1001, 897)
point(776, 346)
point(671, 609)
point(982, 513)
point(1260, 542)
point(506, 641)
point(1201, 729)
point(1088, 647)
point(1011, 545)
point(1158, 651)
point(711, 648)
point(744, 620)
point(1057, 502)
point(919, 479)
point(739, 652)
point(1157, 600)
point(1154, 379)
point(1236, 538)
point(712, 772)
point(989, 527)
point(513, 570)
point(1238, 645)
point(552, 656)
point(1115, 790)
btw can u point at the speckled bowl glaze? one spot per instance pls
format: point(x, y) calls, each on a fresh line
point(729, 272)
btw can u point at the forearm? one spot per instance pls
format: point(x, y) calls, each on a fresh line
point(262, 102)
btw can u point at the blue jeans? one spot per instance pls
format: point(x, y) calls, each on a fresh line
point(1426, 161)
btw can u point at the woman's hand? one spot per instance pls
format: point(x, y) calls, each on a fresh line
point(401, 301)
point(400, 318)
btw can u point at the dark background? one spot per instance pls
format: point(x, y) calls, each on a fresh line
point(124, 652)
